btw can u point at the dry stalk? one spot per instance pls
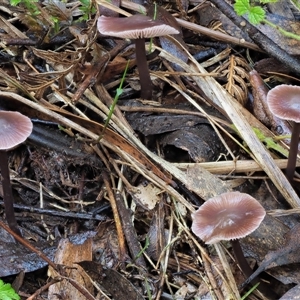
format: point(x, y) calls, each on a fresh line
point(226, 167)
point(112, 201)
point(227, 269)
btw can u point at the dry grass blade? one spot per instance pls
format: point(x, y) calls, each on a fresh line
point(12, 31)
point(117, 219)
point(283, 212)
point(227, 270)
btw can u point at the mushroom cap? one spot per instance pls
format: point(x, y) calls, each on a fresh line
point(229, 216)
point(284, 102)
point(134, 27)
point(15, 129)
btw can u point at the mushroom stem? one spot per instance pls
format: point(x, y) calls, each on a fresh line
point(291, 165)
point(141, 61)
point(248, 272)
point(7, 194)
point(239, 255)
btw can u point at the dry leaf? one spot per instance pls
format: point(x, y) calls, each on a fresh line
point(146, 195)
point(112, 281)
point(287, 254)
point(69, 254)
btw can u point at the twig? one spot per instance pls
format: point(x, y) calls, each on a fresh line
point(66, 214)
point(43, 288)
point(130, 233)
point(113, 204)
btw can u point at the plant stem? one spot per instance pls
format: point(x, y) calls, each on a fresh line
point(141, 61)
point(291, 165)
point(282, 31)
point(7, 194)
point(118, 94)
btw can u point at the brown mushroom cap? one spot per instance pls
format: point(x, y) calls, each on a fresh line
point(231, 215)
point(15, 129)
point(134, 27)
point(284, 102)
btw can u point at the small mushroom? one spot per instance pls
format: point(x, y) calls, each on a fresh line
point(284, 103)
point(137, 27)
point(229, 216)
point(15, 128)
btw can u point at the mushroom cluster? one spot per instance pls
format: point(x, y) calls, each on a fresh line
point(15, 129)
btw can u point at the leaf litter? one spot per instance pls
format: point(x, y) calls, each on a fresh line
point(154, 165)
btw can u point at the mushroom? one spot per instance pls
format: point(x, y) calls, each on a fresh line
point(15, 128)
point(284, 103)
point(137, 27)
point(229, 216)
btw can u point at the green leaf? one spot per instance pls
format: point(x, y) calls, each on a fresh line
point(119, 92)
point(7, 292)
point(85, 2)
point(15, 2)
point(256, 15)
point(241, 7)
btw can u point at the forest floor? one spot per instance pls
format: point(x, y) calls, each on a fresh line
point(106, 184)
